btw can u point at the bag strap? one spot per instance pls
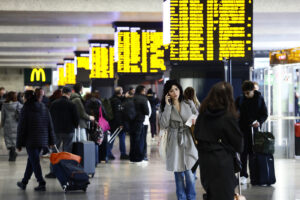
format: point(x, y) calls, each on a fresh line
point(100, 112)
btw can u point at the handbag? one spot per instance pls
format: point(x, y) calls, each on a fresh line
point(103, 123)
point(263, 142)
point(163, 144)
point(237, 163)
point(96, 133)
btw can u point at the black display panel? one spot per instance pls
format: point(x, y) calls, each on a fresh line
point(210, 30)
point(37, 76)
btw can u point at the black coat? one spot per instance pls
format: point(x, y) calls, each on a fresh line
point(251, 109)
point(141, 107)
point(216, 161)
point(153, 102)
point(35, 127)
point(117, 108)
point(64, 115)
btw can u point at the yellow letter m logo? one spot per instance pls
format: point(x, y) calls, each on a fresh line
point(38, 72)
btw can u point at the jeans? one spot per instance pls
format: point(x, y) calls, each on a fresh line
point(247, 153)
point(122, 146)
point(33, 166)
point(185, 190)
point(80, 135)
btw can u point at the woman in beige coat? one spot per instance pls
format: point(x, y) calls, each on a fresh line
point(181, 151)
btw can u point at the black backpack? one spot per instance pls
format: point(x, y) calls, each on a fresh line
point(108, 109)
point(129, 111)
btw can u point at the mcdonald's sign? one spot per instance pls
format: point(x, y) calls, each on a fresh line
point(38, 76)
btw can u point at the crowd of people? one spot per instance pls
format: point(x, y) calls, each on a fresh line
point(223, 126)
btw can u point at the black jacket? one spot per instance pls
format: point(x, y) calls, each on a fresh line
point(117, 108)
point(64, 115)
point(216, 160)
point(141, 107)
point(92, 107)
point(251, 109)
point(35, 127)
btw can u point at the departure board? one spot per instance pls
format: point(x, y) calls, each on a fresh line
point(70, 71)
point(101, 58)
point(210, 30)
point(139, 47)
point(82, 60)
point(61, 74)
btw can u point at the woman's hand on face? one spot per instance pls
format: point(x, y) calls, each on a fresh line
point(167, 99)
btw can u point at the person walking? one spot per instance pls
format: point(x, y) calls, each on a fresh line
point(65, 120)
point(180, 150)
point(219, 137)
point(117, 122)
point(10, 114)
point(76, 98)
point(137, 152)
point(252, 114)
point(35, 131)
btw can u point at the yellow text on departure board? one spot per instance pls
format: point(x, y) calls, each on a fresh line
point(102, 62)
point(83, 62)
point(61, 76)
point(70, 77)
point(210, 30)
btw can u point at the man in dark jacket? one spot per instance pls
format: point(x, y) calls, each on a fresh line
point(136, 140)
point(117, 122)
point(35, 131)
point(253, 113)
point(65, 121)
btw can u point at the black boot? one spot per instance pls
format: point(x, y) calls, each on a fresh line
point(12, 151)
point(21, 185)
point(41, 187)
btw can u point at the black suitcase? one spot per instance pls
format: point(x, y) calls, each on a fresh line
point(262, 171)
point(71, 175)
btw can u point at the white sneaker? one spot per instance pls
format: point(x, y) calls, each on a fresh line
point(243, 180)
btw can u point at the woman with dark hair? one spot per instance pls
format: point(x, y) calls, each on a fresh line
point(35, 131)
point(190, 94)
point(153, 102)
point(181, 151)
point(56, 95)
point(9, 121)
point(219, 137)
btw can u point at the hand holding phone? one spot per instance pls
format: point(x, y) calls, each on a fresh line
point(168, 99)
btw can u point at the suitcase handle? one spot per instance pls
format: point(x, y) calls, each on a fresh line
point(114, 135)
point(56, 149)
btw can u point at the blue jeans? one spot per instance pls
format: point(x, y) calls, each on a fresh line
point(122, 145)
point(187, 190)
point(33, 166)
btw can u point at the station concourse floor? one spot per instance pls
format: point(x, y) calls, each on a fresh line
point(120, 180)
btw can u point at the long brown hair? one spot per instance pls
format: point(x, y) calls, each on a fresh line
point(11, 96)
point(220, 97)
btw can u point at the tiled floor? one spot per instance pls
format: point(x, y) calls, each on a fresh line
point(121, 181)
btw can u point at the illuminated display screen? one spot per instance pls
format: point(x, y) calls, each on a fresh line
point(101, 59)
point(70, 71)
point(38, 76)
point(285, 56)
point(82, 60)
point(139, 47)
point(209, 30)
point(61, 74)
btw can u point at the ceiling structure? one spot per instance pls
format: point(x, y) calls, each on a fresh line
point(41, 32)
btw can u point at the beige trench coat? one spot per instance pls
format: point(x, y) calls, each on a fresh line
point(181, 151)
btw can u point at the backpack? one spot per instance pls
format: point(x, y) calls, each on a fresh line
point(108, 109)
point(129, 111)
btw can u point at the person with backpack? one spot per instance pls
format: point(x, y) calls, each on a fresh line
point(252, 114)
point(137, 152)
point(117, 122)
point(11, 109)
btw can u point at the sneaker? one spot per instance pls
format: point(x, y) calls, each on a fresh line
point(124, 157)
point(21, 185)
point(243, 180)
point(50, 175)
point(41, 187)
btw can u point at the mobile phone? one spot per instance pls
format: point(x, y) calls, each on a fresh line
point(170, 100)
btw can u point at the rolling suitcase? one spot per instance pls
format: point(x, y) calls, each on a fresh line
point(86, 149)
point(113, 136)
point(68, 171)
point(262, 170)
